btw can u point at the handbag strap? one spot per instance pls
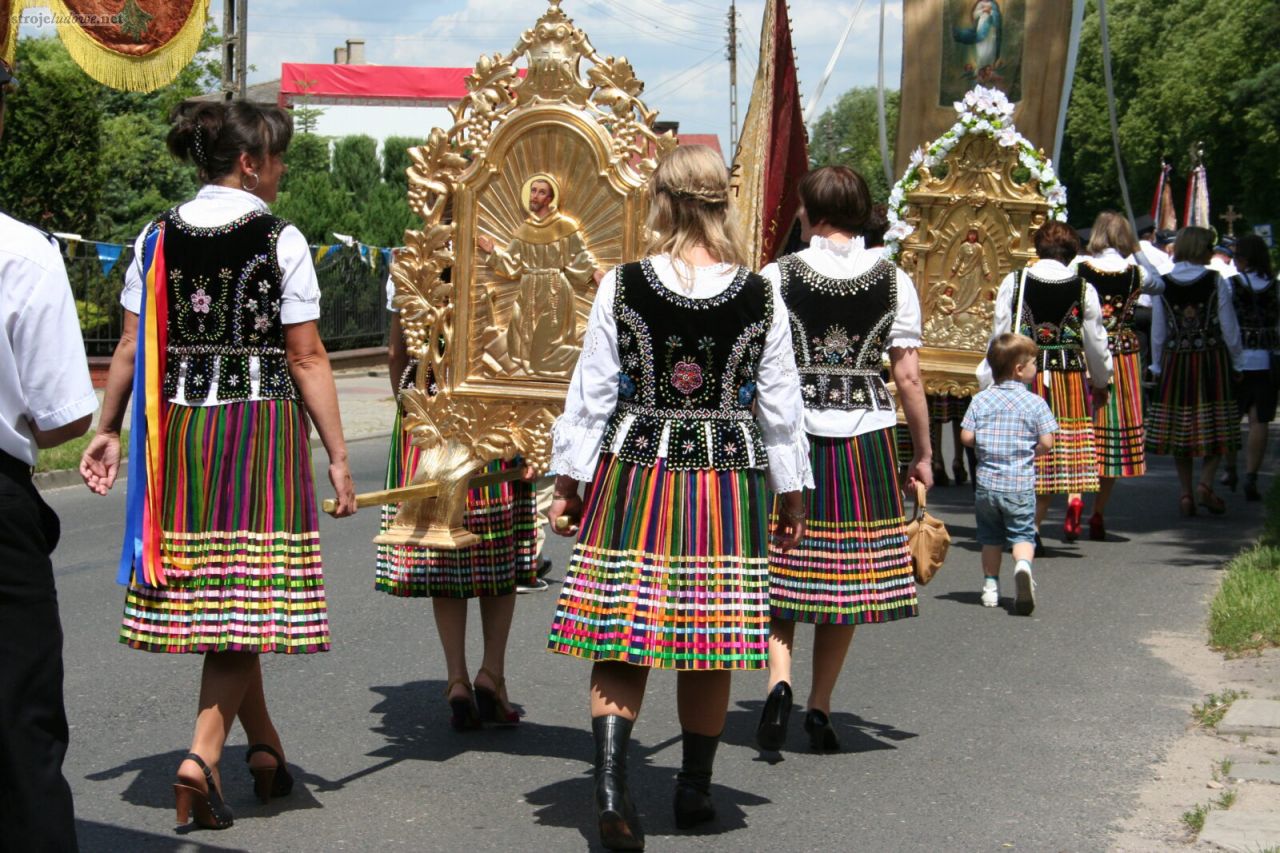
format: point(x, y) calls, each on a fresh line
point(921, 502)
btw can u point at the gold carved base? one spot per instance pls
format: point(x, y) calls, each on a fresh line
point(949, 371)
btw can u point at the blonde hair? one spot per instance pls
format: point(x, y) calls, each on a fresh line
point(1111, 231)
point(689, 206)
point(1194, 244)
point(1007, 352)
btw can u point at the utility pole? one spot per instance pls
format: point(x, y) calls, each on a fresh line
point(732, 55)
point(235, 52)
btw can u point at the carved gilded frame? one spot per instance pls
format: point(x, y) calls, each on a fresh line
point(596, 136)
point(978, 187)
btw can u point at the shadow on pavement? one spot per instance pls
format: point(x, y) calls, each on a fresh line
point(92, 835)
point(153, 775)
point(856, 734)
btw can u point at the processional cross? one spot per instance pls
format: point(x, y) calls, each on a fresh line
point(1230, 216)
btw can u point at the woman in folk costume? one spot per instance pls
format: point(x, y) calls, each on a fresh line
point(1117, 425)
point(1195, 346)
point(686, 396)
point(223, 359)
point(1061, 312)
point(848, 307)
point(504, 516)
point(1256, 299)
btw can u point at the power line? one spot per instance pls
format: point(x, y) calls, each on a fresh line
point(669, 82)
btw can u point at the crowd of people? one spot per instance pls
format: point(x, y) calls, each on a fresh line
point(726, 460)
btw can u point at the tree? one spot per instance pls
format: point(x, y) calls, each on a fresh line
point(308, 154)
point(1186, 71)
point(847, 134)
point(396, 161)
point(52, 142)
point(356, 169)
point(318, 208)
point(140, 178)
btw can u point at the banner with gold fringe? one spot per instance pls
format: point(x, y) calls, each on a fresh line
point(138, 47)
point(11, 10)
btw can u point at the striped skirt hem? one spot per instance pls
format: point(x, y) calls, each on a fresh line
point(241, 548)
point(853, 566)
point(1072, 465)
point(1194, 412)
point(670, 570)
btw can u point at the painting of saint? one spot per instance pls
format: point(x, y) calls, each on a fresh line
point(982, 45)
point(549, 261)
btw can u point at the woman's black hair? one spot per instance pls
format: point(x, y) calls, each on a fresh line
point(212, 135)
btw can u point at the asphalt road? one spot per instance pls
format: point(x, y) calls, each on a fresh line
point(967, 729)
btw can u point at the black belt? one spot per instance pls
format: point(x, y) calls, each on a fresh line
point(14, 468)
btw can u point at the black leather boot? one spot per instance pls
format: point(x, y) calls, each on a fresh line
point(615, 813)
point(693, 783)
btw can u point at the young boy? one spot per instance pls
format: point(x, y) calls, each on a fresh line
point(1009, 426)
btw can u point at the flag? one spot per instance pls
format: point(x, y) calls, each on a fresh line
point(10, 12)
point(1162, 210)
point(773, 153)
point(1197, 207)
point(108, 254)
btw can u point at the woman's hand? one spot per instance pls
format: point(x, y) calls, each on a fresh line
point(100, 462)
point(1099, 397)
point(919, 471)
point(343, 489)
point(790, 528)
point(570, 510)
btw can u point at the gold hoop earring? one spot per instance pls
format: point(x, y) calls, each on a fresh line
point(256, 181)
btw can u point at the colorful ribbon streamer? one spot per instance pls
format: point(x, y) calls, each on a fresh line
point(141, 556)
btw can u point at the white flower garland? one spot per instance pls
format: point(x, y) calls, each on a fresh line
point(988, 112)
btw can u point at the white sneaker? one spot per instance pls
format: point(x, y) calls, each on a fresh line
point(1024, 600)
point(990, 592)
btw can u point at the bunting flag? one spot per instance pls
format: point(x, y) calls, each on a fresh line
point(108, 254)
point(141, 557)
point(386, 257)
point(1197, 205)
point(1162, 211)
point(773, 153)
point(137, 45)
point(323, 252)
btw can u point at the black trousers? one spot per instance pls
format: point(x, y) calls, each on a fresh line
point(35, 801)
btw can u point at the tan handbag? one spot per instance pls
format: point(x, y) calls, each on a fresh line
point(928, 540)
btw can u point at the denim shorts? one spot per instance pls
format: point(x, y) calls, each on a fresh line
point(1005, 518)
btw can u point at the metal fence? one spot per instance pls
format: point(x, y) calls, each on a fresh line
point(352, 298)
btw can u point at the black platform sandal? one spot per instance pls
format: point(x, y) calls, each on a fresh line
point(210, 811)
point(269, 782)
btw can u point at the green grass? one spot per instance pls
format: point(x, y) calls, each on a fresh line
point(1245, 614)
point(66, 456)
point(1194, 819)
point(1215, 707)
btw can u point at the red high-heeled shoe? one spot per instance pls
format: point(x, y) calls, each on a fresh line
point(1071, 525)
point(1097, 529)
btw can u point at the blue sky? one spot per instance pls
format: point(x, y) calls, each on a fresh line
point(676, 46)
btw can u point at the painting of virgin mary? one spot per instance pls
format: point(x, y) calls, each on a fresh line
point(982, 45)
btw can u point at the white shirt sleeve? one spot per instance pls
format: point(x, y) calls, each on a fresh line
point(300, 289)
point(1096, 353)
point(391, 294)
point(48, 353)
point(577, 434)
point(905, 332)
point(780, 407)
point(1158, 332)
point(1230, 324)
point(131, 296)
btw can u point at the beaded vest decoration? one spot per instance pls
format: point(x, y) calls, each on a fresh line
point(1258, 312)
point(1052, 317)
point(1118, 294)
point(689, 372)
point(1191, 313)
point(225, 288)
point(839, 328)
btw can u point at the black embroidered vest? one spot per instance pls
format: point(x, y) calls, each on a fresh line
point(689, 370)
point(1258, 312)
point(1052, 314)
point(1191, 314)
point(1118, 294)
point(839, 329)
point(225, 288)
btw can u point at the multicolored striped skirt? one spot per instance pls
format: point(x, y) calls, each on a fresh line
point(947, 407)
point(1117, 426)
point(504, 516)
point(853, 566)
point(670, 571)
point(1194, 410)
point(1072, 465)
point(241, 548)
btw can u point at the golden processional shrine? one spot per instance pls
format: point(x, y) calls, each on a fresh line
point(541, 182)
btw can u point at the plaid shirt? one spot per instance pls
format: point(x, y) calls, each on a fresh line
point(1008, 420)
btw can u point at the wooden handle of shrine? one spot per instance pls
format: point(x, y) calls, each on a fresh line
point(429, 489)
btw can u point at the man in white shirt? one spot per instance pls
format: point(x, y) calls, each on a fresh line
point(1157, 263)
point(46, 398)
